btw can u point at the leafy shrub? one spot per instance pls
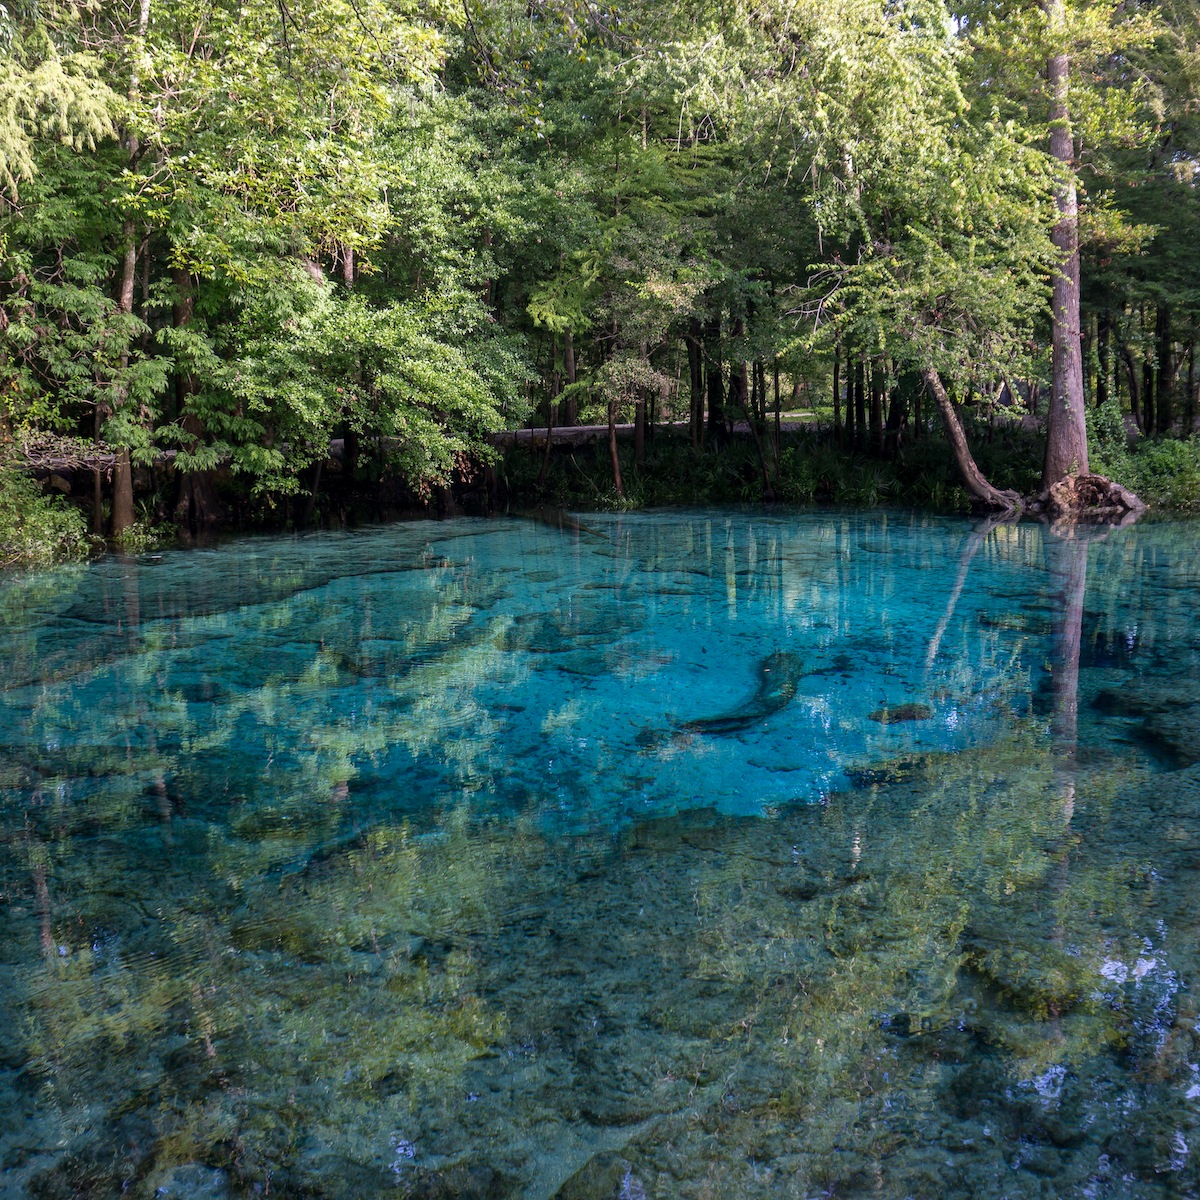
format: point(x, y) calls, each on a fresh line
point(1165, 474)
point(36, 529)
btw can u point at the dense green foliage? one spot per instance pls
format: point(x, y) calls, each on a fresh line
point(230, 234)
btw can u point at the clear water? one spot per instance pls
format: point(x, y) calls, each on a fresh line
point(683, 854)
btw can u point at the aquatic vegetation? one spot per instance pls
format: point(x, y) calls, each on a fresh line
point(322, 872)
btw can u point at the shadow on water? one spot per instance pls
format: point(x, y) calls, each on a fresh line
point(338, 887)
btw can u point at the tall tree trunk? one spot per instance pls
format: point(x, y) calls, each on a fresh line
point(981, 491)
point(776, 366)
point(837, 392)
point(311, 503)
point(1148, 423)
point(1165, 391)
point(1189, 404)
point(551, 410)
point(639, 415)
point(571, 415)
point(696, 380)
point(848, 434)
point(1135, 386)
point(122, 505)
point(614, 457)
point(1103, 356)
point(97, 486)
point(877, 389)
point(860, 403)
point(196, 502)
point(715, 379)
point(1066, 429)
point(768, 493)
point(739, 380)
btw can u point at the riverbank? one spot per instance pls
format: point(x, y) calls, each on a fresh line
point(48, 517)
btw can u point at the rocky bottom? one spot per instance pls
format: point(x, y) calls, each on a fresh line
point(969, 976)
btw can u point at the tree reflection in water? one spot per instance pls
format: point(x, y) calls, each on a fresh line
point(961, 977)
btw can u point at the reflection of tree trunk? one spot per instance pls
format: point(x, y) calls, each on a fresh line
point(1069, 560)
point(977, 538)
point(977, 485)
point(132, 594)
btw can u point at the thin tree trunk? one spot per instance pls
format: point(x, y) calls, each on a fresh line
point(768, 492)
point(196, 501)
point(312, 496)
point(571, 415)
point(1148, 424)
point(1135, 388)
point(97, 487)
point(877, 390)
point(1166, 369)
point(981, 491)
point(696, 382)
point(1103, 356)
point(551, 407)
point(639, 413)
point(715, 379)
point(860, 403)
point(837, 392)
point(776, 365)
point(1189, 406)
point(1066, 430)
point(614, 457)
point(122, 505)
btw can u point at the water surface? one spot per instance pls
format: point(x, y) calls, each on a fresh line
point(704, 854)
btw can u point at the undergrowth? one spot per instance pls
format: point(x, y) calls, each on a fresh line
point(811, 467)
point(37, 529)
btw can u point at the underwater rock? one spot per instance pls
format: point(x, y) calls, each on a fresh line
point(896, 771)
point(191, 1181)
point(894, 714)
point(605, 1176)
point(460, 1183)
point(1171, 714)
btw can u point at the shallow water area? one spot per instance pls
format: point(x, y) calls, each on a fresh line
point(704, 853)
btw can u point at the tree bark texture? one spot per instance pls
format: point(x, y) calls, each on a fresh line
point(1066, 430)
point(981, 491)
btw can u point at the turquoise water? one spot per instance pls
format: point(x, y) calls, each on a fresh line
point(706, 853)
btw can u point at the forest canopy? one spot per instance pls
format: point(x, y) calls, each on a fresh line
point(233, 234)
